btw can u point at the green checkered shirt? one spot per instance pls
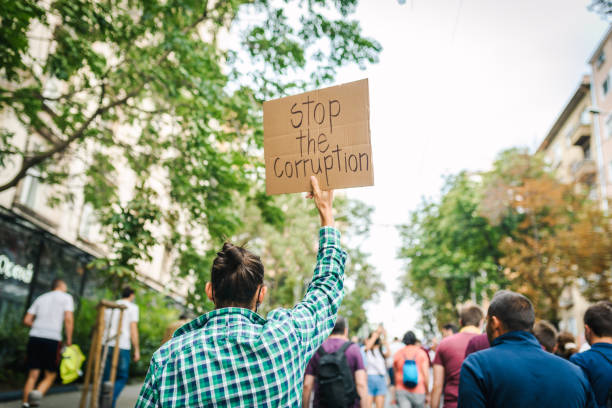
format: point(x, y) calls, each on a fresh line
point(235, 357)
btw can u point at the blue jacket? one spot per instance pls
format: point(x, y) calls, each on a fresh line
point(597, 369)
point(516, 372)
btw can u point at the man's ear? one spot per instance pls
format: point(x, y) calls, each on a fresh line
point(262, 294)
point(209, 292)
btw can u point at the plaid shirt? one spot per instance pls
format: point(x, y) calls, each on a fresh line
point(235, 357)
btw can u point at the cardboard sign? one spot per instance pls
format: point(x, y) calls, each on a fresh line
point(324, 132)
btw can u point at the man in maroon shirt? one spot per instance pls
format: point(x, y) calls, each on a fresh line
point(338, 337)
point(450, 355)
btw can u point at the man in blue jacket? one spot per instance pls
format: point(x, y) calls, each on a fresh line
point(515, 371)
point(597, 362)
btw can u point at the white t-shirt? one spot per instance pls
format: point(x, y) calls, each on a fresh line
point(48, 311)
point(375, 362)
point(129, 315)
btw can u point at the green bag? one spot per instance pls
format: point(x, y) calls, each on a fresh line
point(72, 360)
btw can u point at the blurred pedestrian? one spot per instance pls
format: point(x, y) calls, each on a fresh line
point(232, 356)
point(46, 316)
point(566, 345)
point(515, 371)
point(351, 380)
point(376, 367)
point(395, 346)
point(450, 355)
point(449, 329)
point(410, 395)
point(127, 338)
point(477, 343)
point(546, 334)
point(597, 361)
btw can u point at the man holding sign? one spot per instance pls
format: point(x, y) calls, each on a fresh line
point(325, 133)
point(232, 356)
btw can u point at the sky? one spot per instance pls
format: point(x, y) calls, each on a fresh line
point(457, 82)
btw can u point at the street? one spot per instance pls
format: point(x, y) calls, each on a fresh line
point(127, 399)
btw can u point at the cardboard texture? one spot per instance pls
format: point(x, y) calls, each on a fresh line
point(324, 132)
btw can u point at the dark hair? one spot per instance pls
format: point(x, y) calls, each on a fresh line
point(126, 292)
point(341, 325)
point(451, 326)
point(236, 275)
point(599, 318)
point(514, 310)
point(409, 338)
point(56, 282)
point(470, 315)
point(546, 334)
point(566, 345)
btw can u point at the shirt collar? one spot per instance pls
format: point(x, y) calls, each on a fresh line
point(516, 337)
point(470, 329)
point(221, 316)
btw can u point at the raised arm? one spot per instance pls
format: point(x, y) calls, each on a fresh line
point(315, 316)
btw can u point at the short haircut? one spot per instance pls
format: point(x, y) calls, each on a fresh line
point(409, 338)
point(340, 326)
point(451, 326)
point(599, 318)
point(514, 310)
point(471, 315)
point(56, 283)
point(546, 334)
point(126, 292)
point(236, 274)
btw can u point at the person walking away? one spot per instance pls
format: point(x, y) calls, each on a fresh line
point(395, 346)
point(376, 367)
point(232, 356)
point(477, 343)
point(127, 338)
point(597, 361)
point(546, 334)
point(566, 345)
point(411, 395)
point(449, 329)
point(46, 316)
point(515, 371)
point(450, 355)
point(346, 375)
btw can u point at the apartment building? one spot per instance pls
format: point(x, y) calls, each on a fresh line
point(601, 107)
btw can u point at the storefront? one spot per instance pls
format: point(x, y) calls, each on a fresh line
point(30, 258)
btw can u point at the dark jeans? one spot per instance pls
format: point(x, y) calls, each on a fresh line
point(123, 370)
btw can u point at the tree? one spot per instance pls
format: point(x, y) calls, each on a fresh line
point(166, 94)
point(450, 251)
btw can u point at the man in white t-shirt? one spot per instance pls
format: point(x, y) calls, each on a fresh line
point(46, 316)
point(127, 338)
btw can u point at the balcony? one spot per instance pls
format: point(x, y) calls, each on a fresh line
point(580, 134)
point(584, 171)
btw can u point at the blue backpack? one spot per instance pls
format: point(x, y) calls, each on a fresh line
point(410, 373)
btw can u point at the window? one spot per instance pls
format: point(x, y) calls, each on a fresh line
point(605, 86)
point(601, 58)
point(609, 127)
point(585, 117)
point(88, 220)
point(29, 191)
point(610, 170)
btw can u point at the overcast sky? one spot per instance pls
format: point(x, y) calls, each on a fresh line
point(458, 81)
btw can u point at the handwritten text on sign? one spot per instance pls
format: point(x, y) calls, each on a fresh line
point(325, 133)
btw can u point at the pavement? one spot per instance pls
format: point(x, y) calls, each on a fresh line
point(127, 399)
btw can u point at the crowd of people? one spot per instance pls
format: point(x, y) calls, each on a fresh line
point(232, 356)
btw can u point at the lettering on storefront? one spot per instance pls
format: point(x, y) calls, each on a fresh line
point(9, 269)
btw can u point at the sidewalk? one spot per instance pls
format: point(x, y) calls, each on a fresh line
point(127, 399)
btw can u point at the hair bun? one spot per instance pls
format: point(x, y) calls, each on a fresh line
point(232, 254)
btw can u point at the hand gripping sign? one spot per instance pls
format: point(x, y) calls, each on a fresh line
point(325, 133)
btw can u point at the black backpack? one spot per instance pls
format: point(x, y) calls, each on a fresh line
point(335, 378)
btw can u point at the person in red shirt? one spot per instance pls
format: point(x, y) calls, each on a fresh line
point(450, 355)
point(415, 397)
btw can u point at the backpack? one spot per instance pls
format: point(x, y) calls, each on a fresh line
point(410, 376)
point(609, 398)
point(335, 379)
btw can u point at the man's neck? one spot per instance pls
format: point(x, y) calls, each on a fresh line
point(605, 339)
point(470, 329)
point(337, 336)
